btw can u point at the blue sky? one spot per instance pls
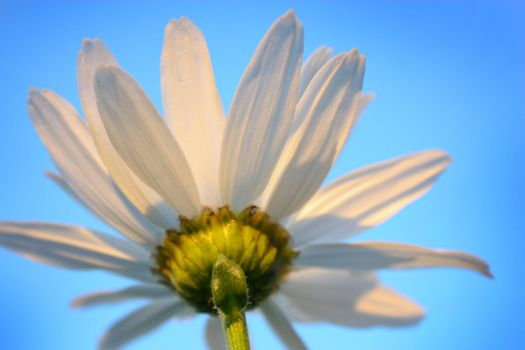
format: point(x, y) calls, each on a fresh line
point(446, 74)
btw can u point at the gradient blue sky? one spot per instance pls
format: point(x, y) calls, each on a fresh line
point(446, 74)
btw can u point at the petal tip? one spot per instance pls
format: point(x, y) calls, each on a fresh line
point(289, 19)
point(368, 97)
point(33, 91)
point(50, 174)
point(89, 43)
point(351, 55)
point(485, 271)
point(179, 24)
point(327, 49)
point(437, 156)
point(290, 13)
point(75, 303)
point(447, 158)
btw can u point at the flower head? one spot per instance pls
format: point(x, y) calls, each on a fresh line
point(196, 193)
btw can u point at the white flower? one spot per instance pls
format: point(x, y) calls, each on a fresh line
point(141, 173)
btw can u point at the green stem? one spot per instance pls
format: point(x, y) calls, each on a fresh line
point(236, 332)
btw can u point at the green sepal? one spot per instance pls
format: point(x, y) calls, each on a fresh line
point(228, 287)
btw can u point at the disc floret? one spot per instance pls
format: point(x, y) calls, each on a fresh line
point(250, 238)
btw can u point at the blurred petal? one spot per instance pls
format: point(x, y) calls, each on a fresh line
point(368, 256)
point(366, 198)
point(358, 107)
point(140, 322)
point(261, 113)
point(140, 291)
point(104, 204)
point(192, 104)
point(94, 55)
point(143, 140)
point(326, 111)
point(312, 65)
point(281, 326)
point(75, 248)
point(345, 298)
point(214, 334)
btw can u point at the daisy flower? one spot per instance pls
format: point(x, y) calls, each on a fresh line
point(221, 215)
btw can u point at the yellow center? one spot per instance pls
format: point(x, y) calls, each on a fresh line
point(250, 239)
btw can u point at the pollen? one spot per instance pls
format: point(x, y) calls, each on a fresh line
point(250, 238)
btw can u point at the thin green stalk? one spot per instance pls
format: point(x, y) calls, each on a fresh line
point(236, 332)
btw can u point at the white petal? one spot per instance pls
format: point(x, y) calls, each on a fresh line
point(281, 326)
point(143, 140)
point(366, 198)
point(71, 147)
point(383, 306)
point(312, 65)
point(192, 104)
point(140, 322)
point(261, 113)
point(345, 298)
point(327, 112)
point(140, 291)
point(367, 256)
point(75, 248)
point(358, 107)
point(105, 202)
point(93, 55)
point(214, 334)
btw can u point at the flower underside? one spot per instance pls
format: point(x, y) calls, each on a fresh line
point(250, 239)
